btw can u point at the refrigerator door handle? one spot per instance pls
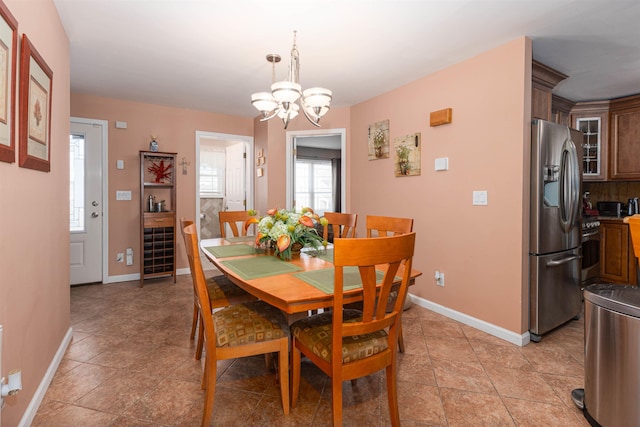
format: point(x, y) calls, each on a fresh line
point(569, 185)
point(555, 263)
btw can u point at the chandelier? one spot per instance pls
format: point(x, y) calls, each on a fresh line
point(281, 101)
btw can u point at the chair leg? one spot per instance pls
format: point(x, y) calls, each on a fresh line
point(194, 323)
point(200, 341)
point(400, 338)
point(392, 393)
point(210, 391)
point(295, 375)
point(336, 401)
point(283, 368)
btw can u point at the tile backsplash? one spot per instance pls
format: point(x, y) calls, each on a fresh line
point(611, 191)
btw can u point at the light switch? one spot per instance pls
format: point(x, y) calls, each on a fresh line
point(480, 198)
point(119, 164)
point(121, 125)
point(123, 195)
point(442, 164)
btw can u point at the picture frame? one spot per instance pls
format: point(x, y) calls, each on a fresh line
point(407, 155)
point(378, 140)
point(36, 84)
point(8, 56)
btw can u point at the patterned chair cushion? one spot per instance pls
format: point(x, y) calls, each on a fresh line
point(220, 287)
point(315, 333)
point(249, 323)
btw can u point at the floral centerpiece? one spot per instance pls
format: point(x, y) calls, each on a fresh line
point(288, 231)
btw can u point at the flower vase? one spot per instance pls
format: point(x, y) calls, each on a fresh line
point(296, 248)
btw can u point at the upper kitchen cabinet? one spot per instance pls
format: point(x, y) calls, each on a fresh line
point(592, 119)
point(561, 110)
point(625, 138)
point(544, 79)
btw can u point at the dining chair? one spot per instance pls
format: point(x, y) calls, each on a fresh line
point(239, 330)
point(235, 220)
point(390, 226)
point(348, 344)
point(222, 293)
point(342, 225)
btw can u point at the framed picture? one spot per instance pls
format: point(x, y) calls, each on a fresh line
point(36, 82)
point(379, 140)
point(8, 49)
point(407, 155)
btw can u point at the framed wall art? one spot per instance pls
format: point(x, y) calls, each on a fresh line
point(36, 82)
point(407, 155)
point(379, 140)
point(8, 55)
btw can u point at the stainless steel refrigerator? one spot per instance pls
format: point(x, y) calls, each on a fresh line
point(554, 251)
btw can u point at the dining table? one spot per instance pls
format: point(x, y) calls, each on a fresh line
point(294, 286)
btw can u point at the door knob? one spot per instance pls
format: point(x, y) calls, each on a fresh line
point(95, 215)
point(94, 203)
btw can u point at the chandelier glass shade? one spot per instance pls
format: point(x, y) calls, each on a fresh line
point(287, 97)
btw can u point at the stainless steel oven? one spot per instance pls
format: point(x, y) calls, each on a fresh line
point(590, 250)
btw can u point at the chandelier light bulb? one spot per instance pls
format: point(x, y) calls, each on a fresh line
point(286, 91)
point(264, 102)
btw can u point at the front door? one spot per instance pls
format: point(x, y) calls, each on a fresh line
point(85, 197)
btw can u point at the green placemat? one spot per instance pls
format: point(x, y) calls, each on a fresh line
point(240, 239)
point(323, 279)
point(262, 266)
point(231, 250)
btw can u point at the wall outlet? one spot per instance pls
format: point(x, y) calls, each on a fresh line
point(439, 276)
point(120, 257)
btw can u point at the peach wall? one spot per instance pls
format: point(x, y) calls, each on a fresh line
point(175, 129)
point(479, 248)
point(34, 218)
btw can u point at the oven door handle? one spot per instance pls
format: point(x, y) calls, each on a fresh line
point(563, 261)
point(590, 234)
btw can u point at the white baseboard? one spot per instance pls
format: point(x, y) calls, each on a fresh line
point(136, 276)
point(32, 409)
point(489, 328)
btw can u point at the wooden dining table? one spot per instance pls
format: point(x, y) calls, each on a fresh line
point(304, 283)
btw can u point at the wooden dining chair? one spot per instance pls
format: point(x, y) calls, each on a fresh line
point(239, 330)
point(342, 225)
point(222, 293)
point(348, 344)
point(379, 226)
point(235, 220)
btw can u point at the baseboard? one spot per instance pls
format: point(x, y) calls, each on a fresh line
point(32, 409)
point(136, 276)
point(496, 331)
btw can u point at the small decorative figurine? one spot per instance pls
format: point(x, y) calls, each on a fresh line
point(153, 145)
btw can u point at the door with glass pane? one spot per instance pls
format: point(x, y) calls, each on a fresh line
point(85, 203)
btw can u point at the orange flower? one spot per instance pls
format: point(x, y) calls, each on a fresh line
point(283, 242)
point(250, 221)
point(305, 220)
point(272, 211)
point(258, 237)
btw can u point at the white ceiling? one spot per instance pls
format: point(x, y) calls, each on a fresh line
point(210, 55)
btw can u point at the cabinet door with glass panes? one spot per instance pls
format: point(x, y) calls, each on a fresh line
point(592, 121)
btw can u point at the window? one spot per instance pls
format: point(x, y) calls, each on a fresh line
point(314, 185)
point(212, 164)
point(76, 183)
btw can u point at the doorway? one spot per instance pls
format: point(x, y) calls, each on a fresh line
point(313, 159)
point(88, 201)
point(223, 178)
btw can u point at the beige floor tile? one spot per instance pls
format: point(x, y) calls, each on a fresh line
point(466, 376)
point(474, 409)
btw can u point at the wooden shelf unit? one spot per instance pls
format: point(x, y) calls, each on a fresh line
point(157, 229)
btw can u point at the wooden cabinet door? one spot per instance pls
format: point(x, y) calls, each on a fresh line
point(592, 118)
point(625, 143)
point(614, 252)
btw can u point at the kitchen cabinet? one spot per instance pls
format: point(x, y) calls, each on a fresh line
point(617, 261)
point(625, 138)
point(592, 119)
point(544, 79)
point(561, 110)
point(157, 215)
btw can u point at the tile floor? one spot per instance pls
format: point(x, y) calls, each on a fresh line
point(131, 363)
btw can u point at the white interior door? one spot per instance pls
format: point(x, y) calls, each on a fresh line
point(235, 193)
point(85, 197)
